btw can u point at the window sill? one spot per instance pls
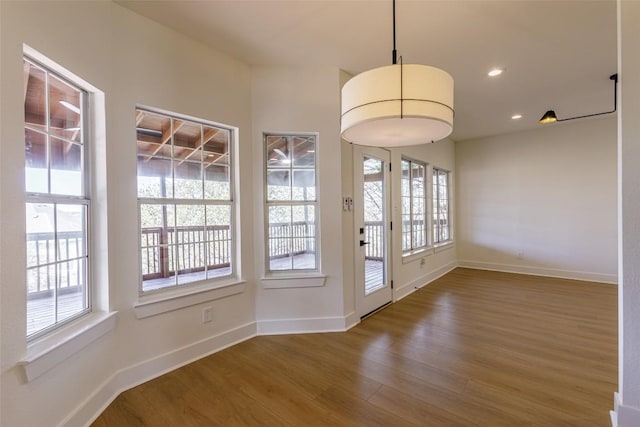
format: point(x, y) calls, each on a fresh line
point(293, 281)
point(164, 302)
point(444, 246)
point(416, 255)
point(47, 352)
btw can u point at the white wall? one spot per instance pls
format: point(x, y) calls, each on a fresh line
point(133, 61)
point(409, 273)
point(540, 201)
point(628, 402)
point(289, 99)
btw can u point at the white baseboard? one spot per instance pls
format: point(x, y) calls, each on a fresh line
point(139, 373)
point(351, 320)
point(304, 325)
point(625, 416)
point(540, 271)
point(408, 288)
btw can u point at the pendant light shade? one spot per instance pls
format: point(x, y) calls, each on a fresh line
point(397, 105)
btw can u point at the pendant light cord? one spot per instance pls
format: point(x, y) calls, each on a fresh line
point(394, 54)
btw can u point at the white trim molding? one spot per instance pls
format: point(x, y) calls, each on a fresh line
point(48, 352)
point(168, 301)
point(304, 325)
point(408, 288)
point(282, 282)
point(628, 416)
point(124, 379)
point(540, 271)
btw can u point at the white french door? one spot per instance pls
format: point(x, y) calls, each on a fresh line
point(372, 228)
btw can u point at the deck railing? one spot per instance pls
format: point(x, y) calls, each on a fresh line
point(43, 259)
point(181, 249)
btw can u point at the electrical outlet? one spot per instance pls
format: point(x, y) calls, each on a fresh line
point(520, 255)
point(206, 314)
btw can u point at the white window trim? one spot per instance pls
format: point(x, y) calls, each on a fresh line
point(175, 299)
point(177, 296)
point(279, 279)
point(419, 251)
point(48, 351)
point(293, 281)
point(426, 251)
point(443, 244)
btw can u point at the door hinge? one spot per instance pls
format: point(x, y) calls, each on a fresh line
point(389, 166)
point(391, 225)
point(392, 284)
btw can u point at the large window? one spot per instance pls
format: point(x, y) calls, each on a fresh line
point(291, 202)
point(185, 199)
point(441, 219)
point(57, 199)
point(414, 230)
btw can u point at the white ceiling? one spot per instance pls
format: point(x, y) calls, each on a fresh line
point(556, 54)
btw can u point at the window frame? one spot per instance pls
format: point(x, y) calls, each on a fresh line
point(267, 203)
point(178, 289)
point(86, 110)
point(414, 249)
point(436, 230)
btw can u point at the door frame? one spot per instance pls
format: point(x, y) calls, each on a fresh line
point(368, 304)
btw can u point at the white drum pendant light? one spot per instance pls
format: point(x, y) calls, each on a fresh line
point(397, 105)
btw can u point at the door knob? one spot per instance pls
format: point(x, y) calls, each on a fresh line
point(362, 243)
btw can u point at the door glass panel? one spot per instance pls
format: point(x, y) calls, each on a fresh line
point(374, 208)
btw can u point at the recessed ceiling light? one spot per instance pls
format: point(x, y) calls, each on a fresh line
point(495, 72)
point(516, 116)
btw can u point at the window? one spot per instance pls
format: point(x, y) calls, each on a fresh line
point(57, 199)
point(185, 200)
point(441, 220)
point(414, 230)
point(291, 202)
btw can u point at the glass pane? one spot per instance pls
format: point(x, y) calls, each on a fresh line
point(406, 231)
point(304, 254)
point(278, 152)
point(303, 220)
point(280, 233)
point(280, 256)
point(189, 239)
point(188, 180)
point(304, 185)
point(217, 182)
point(218, 241)
point(71, 223)
point(72, 288)
point(41, 307)
point(36, 172)
point(278, 185)
point(154, 178)
point(373, 190)
point(66, 167)
point(216, 145)
point(35, 107)
point(304, 151)
point(373, 195)
point(187, 140)
point(279, 221)
point(417, 180)
point(157, 224)
point(65, 109)
point(153, 135)
point(40, 226)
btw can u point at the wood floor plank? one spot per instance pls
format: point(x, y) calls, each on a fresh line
point(473, 348)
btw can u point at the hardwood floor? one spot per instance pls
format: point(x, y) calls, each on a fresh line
point(474, 348)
